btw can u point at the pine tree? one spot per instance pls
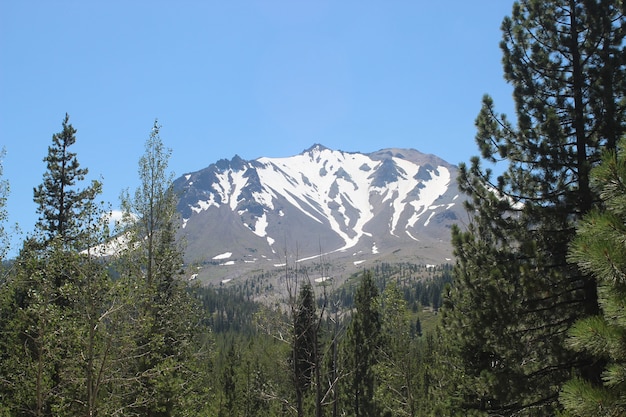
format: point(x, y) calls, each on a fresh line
point(361, 350)
point(304, 350)
point(228, 382)
point(515, 293)
point(59, 203)
point(397, 363)
point(57, 298)
point(599, 250)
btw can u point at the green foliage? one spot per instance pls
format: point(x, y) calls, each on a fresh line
point(257, 363)
point(88, 332)
point(304, 347)
point(58, 301)
point(60, 204)
point(32, 324)
point(227, 309)
point(599, 250)
point(361, 350)
point(516, 293)
point(397, 363)
point(4, 194)
point(73, 340)
point(165, 314)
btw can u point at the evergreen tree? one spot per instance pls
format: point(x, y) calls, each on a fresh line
point(515, 293)
point(599, 250)
point(396, 369)
point(57, 300)
point(304, 350)
point(361, 350)
point(59, 203)
point(229, 383)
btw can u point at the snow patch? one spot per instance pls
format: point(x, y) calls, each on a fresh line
point(429, 217)
point(204, 205)
point(224, 255)
point(261, 225)
point(411, 236)
point(113, 247)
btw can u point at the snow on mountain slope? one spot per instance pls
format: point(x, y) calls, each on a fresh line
point(320, 201)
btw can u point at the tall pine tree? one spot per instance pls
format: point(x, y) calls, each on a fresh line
point(516, 294)
point(599, 250)
point(60, 204)
point(56, 298)
point(304, 349)
point(397, 363)
point(360, 352)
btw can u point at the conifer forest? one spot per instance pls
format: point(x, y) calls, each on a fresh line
point(528, 319)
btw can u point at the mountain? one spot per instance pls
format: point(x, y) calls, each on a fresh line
point(353, 208)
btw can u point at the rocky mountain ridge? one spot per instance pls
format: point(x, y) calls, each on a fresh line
point(349, 208)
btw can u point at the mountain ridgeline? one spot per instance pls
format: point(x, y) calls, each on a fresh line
point(349, 207)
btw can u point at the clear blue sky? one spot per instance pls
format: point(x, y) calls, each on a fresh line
point(253, 78)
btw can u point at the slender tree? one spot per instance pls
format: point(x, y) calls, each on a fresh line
point(57, 297)
point(599, 250)
point(304, 349)
point(397, 364)
point(60, 204)
point(361, 350)
point(164, 315)
point(516, 294)
point(4, 194)
point(5, 307)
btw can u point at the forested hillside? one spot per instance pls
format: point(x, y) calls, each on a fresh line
point(99, 319)
point(257, 345)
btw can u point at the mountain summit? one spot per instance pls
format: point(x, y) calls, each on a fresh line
point(347, 206)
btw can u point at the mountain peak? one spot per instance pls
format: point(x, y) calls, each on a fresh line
point(352, 205)
point(316, 147)
point(235, 163)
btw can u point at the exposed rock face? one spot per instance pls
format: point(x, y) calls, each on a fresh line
point(352, 207)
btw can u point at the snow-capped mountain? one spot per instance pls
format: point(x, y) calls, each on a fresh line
point(343, 205)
